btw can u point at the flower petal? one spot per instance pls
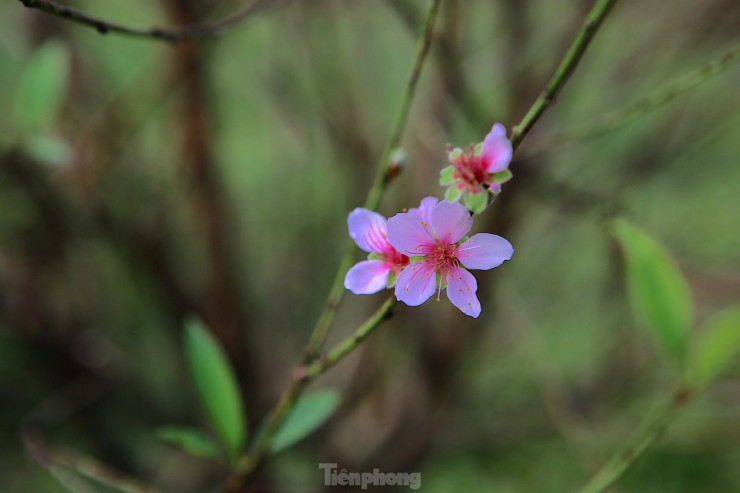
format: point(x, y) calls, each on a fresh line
point(451, 221)
point(461, 288)
point(416, 283)
point(497, 150)
point(484, 251)
point(426, 207)
point(367, 277)
point(368, 229)
point(410, 234)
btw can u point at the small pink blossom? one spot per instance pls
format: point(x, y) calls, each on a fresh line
point(369, 231)
point(440, 258)
point(474, 175)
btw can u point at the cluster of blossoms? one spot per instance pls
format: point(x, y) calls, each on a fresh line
point(426, 249)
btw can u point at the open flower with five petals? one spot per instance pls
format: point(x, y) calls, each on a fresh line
point(475, 174)
point(441, 255)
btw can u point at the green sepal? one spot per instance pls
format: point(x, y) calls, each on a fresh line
point(373, 256)
point(455, 154)
point(416, 258)
point(478, 149)
point(452, 194)
point(476, 202)
point(392, 278)
point(463, 239)
point(502, 176)
point(446, 176)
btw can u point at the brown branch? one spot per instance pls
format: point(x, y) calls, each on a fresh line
point(188, 31)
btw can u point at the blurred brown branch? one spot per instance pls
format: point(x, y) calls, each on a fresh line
point(188, 31)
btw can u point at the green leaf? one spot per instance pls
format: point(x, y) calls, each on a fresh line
point(41, 87)
point(191, 440)
point(502, 176)
point(373, 256)
point(392, 278)
point(452, 194)
point(717, 347)
point(478, 149)
point(477, 202)
point(659, 294)
point(307, 415)
point(216, 385)
point(446, 176)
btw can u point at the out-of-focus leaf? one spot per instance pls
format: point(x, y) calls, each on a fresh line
point(307, 415)
point(216, 384)
point(41, 87)
point(48, 149)
point(659, 294)
point(191, 440)
point(717, 346)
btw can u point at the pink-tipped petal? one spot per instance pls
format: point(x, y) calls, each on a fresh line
point(368, 229)
point(426, 207)
point(416, 283)
point(461, 288)
point(484, 251)
point(410, 234)
point(367, 277)
point(497, 150)
point(451, 221)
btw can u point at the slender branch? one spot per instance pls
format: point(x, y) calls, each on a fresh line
point(302, 376)
point(657, 97)
point(569, 62)
point(345, 347)
point(201, 30)
point(386, 171)
point(652, 430)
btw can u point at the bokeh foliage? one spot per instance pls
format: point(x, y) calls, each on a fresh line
point(104, 240)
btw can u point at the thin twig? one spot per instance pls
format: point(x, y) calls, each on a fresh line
point(345, 347)
point(651, 431)
point(385, 173)
point(569, 62)
point(201, 30)
point(657, 98)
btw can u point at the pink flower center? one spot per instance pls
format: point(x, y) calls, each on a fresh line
point(442, 258)
point(470, 173)
point(378, 242)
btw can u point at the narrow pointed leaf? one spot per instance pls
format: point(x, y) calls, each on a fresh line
point(191, 440)
point(717, 348)
point(658, 292)
point(307, 415)
point(216, 385)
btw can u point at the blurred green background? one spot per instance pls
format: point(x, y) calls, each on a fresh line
point(214, 178)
